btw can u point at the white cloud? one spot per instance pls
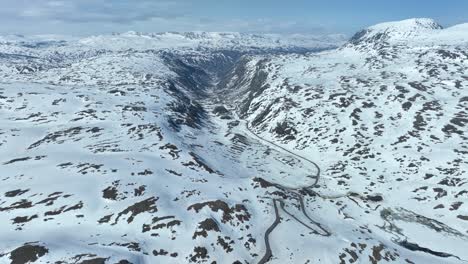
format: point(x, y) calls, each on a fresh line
point(90, 10)
point(82, 17)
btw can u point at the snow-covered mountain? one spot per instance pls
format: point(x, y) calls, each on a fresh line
point(235, 148)
point(173, 41)
point(392, 32)
point(385, 115)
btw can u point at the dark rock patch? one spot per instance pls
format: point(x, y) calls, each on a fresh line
point(27, 253)
point(238, 211)
point(148, 205)
point(416, 247)
point(15, 193)
point(203, 227)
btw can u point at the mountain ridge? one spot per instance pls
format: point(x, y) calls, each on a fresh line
point(417, 30)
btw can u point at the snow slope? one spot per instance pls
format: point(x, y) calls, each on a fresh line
point(385, 115)
point(111, 154)
point(235, 148)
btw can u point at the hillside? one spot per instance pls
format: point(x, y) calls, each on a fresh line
point(235, 148)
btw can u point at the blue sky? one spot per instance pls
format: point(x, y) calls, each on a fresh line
point(83, 17)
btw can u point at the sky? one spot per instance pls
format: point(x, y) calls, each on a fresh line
point(87, 17)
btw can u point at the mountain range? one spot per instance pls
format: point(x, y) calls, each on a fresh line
point(207, 147)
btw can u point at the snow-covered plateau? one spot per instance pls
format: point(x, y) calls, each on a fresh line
point(236, 148)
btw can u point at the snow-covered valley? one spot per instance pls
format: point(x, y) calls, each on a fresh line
point(236, 148)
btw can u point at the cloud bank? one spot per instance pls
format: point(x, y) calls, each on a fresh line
point(82, 17)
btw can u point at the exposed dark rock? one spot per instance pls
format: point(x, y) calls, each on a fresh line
point(27, 253)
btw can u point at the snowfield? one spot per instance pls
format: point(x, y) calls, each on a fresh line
point(236, 148)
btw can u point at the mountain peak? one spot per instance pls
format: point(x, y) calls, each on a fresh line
point(395, 31)
point(411, 24)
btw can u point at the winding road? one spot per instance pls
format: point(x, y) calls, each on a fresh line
point(296, 192)
point(268, 252)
